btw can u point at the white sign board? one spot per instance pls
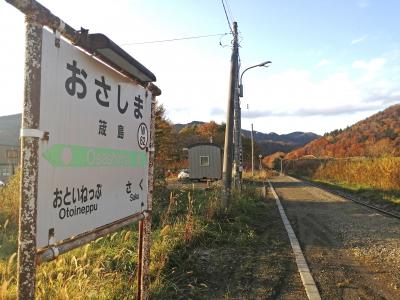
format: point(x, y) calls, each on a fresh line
point(93, 170)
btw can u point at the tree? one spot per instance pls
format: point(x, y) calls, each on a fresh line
point(209, 131)
point(166, 152)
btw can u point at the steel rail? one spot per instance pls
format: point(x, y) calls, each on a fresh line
point(351, 198)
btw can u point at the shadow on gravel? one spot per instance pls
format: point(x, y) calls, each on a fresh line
point(343, 243)
point(327, 224)
point(254, 183)
point(283, 184)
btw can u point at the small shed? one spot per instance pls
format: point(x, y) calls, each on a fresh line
point(205, 161)
point(9, 161)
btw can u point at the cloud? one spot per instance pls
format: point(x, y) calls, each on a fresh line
point(363, 3)
point(181, 109)
point(359, 40)
point(300, 98)
point(253, 114)
point(309, 112)
point(384, 96)
point(322, 63)
point(217, 111)
point(335, 111)
point(371, 66)
point(298, 95)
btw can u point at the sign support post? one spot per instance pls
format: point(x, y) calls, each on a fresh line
point(145, 225)
point(55, 154)
point(140, 262)
point(29, 162)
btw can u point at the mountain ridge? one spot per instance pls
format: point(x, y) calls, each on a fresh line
point(374, 136)
point(268, 142)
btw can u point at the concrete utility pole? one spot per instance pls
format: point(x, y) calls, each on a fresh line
point(252, 150)
point(237, 138)
point(227, 166)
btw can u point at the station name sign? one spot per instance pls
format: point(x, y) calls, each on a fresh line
point(93, 168)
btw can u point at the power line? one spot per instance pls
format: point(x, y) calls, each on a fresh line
point(226, 15)
point(228, 6)
point(176, 39)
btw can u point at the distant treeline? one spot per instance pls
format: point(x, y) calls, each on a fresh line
point(171, 142)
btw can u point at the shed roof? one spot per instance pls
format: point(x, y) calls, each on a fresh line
point(204, 144)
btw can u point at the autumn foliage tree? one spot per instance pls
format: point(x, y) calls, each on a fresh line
point(376, 136)
point(202, 133)
point(166, 152)
point(170, 144)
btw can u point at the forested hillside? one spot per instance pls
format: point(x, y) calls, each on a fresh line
point(375, 136)
point(268, 143)
point(172, 139)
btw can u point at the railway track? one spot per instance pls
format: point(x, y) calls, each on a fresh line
point(351, 253)
point(353, 199)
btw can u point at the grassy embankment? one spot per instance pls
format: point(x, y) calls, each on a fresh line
point(198, 251)
point(374, 179)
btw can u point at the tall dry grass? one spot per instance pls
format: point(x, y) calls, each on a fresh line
point(374, 173)
point(183, 219)
point(258, 175)
point(377, 173)
point(9, 199)
point(106, 268)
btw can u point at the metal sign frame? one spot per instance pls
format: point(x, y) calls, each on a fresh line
point(37, 16)
point(95, 166)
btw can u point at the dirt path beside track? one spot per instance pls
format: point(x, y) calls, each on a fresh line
point(353, 252)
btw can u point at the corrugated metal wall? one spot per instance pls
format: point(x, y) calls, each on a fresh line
point(9, 161)
point(213, 170)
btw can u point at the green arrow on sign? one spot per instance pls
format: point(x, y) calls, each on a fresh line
point(60, 155)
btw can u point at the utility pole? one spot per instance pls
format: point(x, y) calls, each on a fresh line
point(237, 139)
point(227, 166)
point(252, 150)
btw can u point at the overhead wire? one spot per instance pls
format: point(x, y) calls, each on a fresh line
point(227, 17)
point(220, 42)
point(176, 39)
point(228, 6)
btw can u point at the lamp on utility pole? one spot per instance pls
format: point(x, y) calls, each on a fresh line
point(238, 129)
point(263, 64)
point(227, 164)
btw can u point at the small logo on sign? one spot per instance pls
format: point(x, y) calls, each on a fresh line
point(142, 136)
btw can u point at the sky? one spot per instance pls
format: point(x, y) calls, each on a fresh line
point(334, 62)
